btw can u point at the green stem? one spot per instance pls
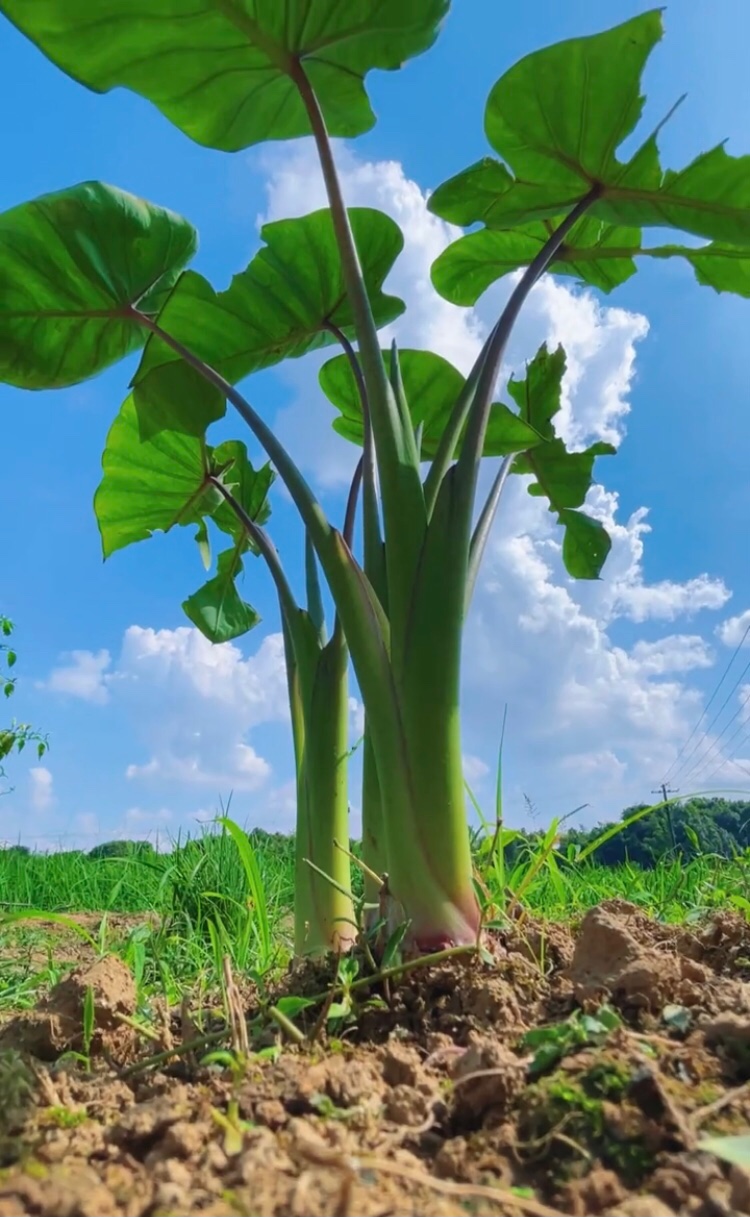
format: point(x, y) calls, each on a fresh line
point(404, 515)
point(483, 528)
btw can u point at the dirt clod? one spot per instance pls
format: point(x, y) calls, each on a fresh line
point(57, 1023)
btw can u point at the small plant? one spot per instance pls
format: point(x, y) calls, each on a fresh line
point(16, 736)
point(550, 1044)
point(91, 274)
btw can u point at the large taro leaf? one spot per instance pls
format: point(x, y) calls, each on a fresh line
point(225, 71)
point(557, 118)
point(72, 266)
point(431, 385)
point(563, 478)
point(283, 305)
point(597, 254)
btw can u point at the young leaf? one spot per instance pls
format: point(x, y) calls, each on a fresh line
point(249, 486)
point(563, 477)
point(431, 385)
point(71, 266)
point(149, 486)
point(281, 306)
point(224, 73)
point(217, 608)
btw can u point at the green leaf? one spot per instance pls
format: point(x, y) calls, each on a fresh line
point(558, 117)
point(432, 385)
point(563, 477)
point(559, 114)
point(217, 608)
point(281, 306)
point(72, 264)
point(149, 485)
point(249, 486)
point(203, 542)
point(726, 268)
point(586, 544)
point(597, 254)
point(223, 71)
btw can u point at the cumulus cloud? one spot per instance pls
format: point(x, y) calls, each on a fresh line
point(41, 789)
point(735, 631)
point(83, 674)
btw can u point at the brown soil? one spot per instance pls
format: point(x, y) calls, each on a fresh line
point(430, 1102)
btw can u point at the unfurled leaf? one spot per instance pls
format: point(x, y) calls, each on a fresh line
point(282, 306)
point(586, 544)
point(217, 608)
point(431, 385)
point(598, 254)
point(726, 268)
point(559, 114)
point(72, 265)
point(225, 72)
point(557, 119)
point(562, 477)
point(150, 485)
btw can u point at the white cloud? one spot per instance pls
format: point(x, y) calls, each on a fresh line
point(41, 789)
point(735, 631)
point(474, 768)
point(84, 676)
point(194, 704)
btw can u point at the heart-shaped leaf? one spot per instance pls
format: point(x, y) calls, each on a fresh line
point(431, 385)
point(150, 485)
point(217, 609)
point(226, 72)
point(72, 266)
point(558, 117)
point(290, 300)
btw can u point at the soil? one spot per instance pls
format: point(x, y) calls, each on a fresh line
point(433, 1100)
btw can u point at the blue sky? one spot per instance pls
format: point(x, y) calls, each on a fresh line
point(149, 728)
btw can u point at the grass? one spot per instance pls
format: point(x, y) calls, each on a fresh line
point(224, 894)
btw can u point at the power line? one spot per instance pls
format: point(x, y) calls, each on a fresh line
point(714, 720)
point(708, 704)
point(702, 761)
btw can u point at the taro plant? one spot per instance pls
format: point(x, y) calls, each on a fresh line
point(91, 274)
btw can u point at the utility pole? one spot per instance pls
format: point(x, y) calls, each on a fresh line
point(665, 791)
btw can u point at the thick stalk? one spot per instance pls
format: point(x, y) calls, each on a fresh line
point(318, 688)
point(324, 910)
point(373, 837)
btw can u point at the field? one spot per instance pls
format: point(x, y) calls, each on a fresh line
point(160, 1053)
